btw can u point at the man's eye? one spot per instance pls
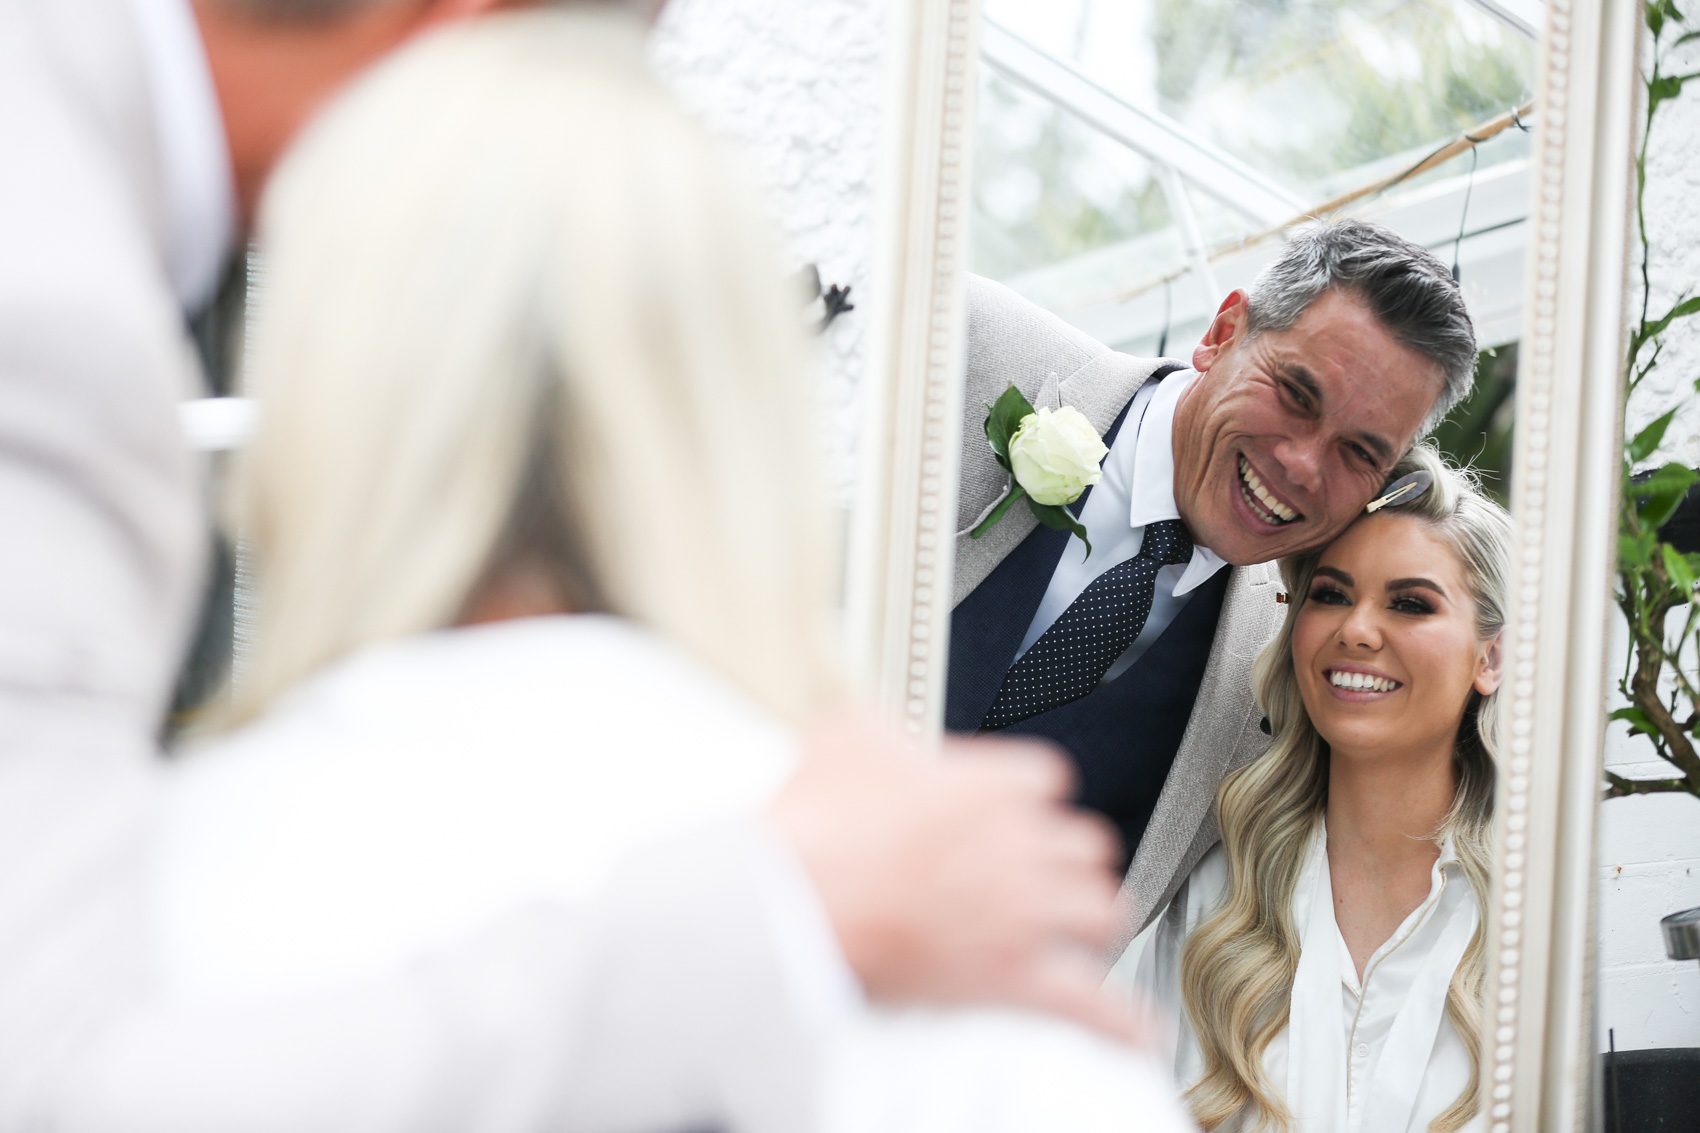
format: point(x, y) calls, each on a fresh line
point(1362, 454)
point(1329, 596)
point(1298, 396)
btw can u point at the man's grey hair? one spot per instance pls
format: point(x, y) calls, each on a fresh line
point(1404, 285)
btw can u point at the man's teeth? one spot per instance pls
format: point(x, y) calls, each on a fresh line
point(1361, 681)
point(1251, 487)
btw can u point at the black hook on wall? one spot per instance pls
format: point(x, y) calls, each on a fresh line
point(834, 300)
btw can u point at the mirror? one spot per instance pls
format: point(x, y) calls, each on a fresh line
point(1112, 173)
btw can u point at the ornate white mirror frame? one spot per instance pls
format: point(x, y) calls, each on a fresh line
point(899, 564)
point(1538, 1057)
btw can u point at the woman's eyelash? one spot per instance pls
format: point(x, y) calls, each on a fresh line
point(1404, 603)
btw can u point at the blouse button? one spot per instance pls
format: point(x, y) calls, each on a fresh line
point(1362, 1050)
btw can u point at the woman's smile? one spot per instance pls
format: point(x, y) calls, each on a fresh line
point(1360, 684)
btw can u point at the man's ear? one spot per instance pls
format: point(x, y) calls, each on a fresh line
point(1490, 673)
point(1227, 328)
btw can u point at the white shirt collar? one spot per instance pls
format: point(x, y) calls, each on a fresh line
point(195, 170)
point(1152, 490)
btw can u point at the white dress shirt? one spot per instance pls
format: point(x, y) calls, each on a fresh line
point(400, 801)
point(1137, 489)
point(1377, 1055)
point(195, 170)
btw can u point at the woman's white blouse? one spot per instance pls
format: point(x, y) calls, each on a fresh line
point(1370, 1056)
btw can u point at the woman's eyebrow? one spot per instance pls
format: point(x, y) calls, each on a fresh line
point(1414, 583)
point(1336, 574)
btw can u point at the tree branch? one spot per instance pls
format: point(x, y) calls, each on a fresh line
point(1618, 786)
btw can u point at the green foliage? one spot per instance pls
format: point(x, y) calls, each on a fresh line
point(1003, 420)
point(1655, 580)
point(1325, 86)
point(1308, 92)
point(1478, 433)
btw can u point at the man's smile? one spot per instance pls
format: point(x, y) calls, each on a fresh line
point(1262, 501)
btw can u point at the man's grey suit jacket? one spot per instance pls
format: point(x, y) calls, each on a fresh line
point(1010, 340)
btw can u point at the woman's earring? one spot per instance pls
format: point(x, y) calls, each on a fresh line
point(1264, 724)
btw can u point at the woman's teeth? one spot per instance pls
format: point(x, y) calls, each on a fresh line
point(1361, 681)
point(1262, 501)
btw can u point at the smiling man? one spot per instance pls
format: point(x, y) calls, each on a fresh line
point(1135, 652)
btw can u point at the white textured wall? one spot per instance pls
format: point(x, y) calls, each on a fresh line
point(1649, 866)
point(799, 85)
point(1650, 845)
point(1673, 230)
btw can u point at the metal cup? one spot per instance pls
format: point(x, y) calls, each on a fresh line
point(1682, 935)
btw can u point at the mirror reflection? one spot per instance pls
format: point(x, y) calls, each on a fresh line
point(1240, 349)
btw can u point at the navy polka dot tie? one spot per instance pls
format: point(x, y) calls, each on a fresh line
point(1072, 656)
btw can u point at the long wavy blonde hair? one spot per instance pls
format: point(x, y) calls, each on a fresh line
point(1237, 967)
point(521, 312)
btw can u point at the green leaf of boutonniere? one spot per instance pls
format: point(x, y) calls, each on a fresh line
point(1004, 420)
point(1059, 518)
point(997, 513)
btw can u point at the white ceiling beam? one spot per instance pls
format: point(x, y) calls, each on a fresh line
point(1082, 289)
point(1158, 137)
point(1526, 16)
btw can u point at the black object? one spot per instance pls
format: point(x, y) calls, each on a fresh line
point(1682, 531)
point(834, 300)
point(1682, 937)
point(213, 646)
point(1464, 214)
point(1264, 725)
point(837, 301)
point(1652, 1091)
point(217, 335)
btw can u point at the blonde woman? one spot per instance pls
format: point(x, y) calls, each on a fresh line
point(542, 620)
point(1325, 960)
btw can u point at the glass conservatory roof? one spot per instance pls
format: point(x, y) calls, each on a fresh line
point(1123, 143)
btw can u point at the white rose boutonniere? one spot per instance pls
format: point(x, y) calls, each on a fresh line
point(1052, 457)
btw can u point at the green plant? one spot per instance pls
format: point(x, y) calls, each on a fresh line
point(1655, 579)
point(1477, 433)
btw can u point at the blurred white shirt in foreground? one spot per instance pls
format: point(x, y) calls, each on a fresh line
point(405, 799)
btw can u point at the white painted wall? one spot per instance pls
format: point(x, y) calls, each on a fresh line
point(799, 86)
point(1650, 845)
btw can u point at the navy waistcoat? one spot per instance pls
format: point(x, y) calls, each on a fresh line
point(1123, 736)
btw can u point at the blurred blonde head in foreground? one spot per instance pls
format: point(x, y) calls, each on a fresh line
point(522, 333)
